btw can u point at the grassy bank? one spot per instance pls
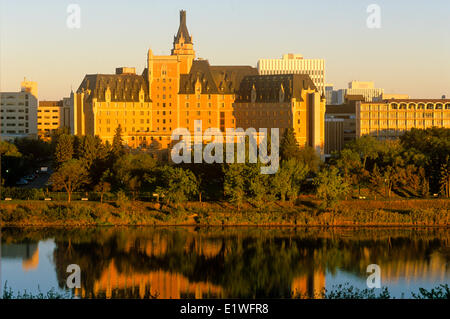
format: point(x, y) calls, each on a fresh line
point(305, 212)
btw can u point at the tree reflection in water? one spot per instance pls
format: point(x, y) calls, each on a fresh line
point(164, 262)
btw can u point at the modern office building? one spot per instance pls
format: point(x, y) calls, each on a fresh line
point(18, 110)
point(295, 64)
point(366, 89)
point(391, 118)
point(340, 121)
point(283, 101)
point(51, 116)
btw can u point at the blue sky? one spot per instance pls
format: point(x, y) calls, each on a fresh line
point(408, 54)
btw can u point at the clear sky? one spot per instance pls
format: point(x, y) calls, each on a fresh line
point(409, 54)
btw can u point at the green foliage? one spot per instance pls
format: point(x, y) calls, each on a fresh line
point(8, 293)
point(287, 182)
point(64, 149)
point(330, 186)
point(176, 185)
point(9, 149)
point(445, 178)
point(289, 147)
point(134, 172)
point(22, 193)
point(117, 148)
point(234, 183)
point(366, 147)
point(429, 149)
point(439, 292)
point(121, 199)
point(349, 292)
point(70, 176)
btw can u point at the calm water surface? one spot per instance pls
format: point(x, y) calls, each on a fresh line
point(176, 262)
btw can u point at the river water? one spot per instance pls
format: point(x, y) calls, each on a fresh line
point(215, 262)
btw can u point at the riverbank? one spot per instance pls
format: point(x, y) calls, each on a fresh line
point(306, 212)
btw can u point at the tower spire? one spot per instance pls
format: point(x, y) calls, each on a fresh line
point(183, 33)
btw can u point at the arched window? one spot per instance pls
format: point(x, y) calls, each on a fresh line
point(430, 106)
point(394, 106)
point(402, 106)
point(439, 106)
point(447, 106)
point(411, 106)
point(421, 106)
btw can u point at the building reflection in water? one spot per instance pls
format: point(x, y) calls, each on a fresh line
point(174, 263)
point(28, 252)
point(157, 284)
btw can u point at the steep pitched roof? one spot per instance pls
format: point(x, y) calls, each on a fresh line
point(183, 30)
point(268, 87)
point(214, 79)
point(123, 87)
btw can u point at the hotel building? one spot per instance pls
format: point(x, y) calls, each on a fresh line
point(295, 64)
point(173, 91)
point(18, 110)
point(283, 101)
point(390, 119)
point(176, 90)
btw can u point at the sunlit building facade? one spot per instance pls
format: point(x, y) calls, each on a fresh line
point(390, 119)
point(172, 92)
point(295, 64)
point(51, 116)
point(18, 110)
point(366, 89)
point(283, 101)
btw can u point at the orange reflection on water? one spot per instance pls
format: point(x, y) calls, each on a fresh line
point(162, 284)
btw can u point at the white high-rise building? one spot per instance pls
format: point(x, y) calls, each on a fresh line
point(295, 64)
point(19, 112)
point(366, 89)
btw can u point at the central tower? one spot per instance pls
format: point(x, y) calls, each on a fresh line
point(183, 47)
point(182, 42)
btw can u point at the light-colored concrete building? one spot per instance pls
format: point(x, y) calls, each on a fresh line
point(51, 116)
point(391, 118)
point(366, 89)
point(19, 112)
point(295, 64)
point(392, 96)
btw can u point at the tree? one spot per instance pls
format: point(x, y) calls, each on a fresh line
point(9, 149)
point(366, 146)
point(349, 163)
point(70, 176)
point(289, 147)
point(287, 181)
point(234, 183)
point(64, 149)
point(429, 149)
point(256, 184)
point(176, 184)
point(131, 171)
point(102, 187)
point(117, 149)
point(330, 186)
point(445, 178)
